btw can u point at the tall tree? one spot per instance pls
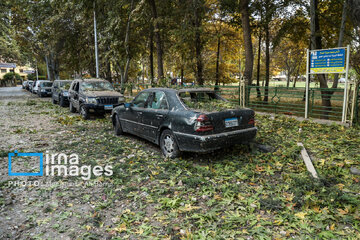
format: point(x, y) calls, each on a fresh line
point(159, 44)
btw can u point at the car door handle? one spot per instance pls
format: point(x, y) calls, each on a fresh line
point(159, 116)
point(140, 113)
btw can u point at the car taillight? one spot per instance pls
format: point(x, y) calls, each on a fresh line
point(203, 124)
point(251, 121)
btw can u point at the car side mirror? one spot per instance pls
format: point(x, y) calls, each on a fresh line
point(127, 106)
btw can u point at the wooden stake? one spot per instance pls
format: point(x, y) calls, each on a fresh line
point(307, 161)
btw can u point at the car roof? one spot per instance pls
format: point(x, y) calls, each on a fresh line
point(64, 80)
point(92, 80)
point(196, 90)
point(181, 90)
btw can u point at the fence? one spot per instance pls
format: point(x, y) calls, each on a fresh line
point(283, 100)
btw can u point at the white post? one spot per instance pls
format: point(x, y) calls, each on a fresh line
point(346, 84)
point(96, 48)
point(307, 85)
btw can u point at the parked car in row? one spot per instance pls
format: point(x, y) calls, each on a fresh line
point(30, 86)
point(93, 96)
point(24, 83)
point(162, 116)
point(44, 88)
point(60, 92)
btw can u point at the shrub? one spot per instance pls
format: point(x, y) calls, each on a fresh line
point(10, 76)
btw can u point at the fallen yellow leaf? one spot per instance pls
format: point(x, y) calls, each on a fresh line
point(301, 215)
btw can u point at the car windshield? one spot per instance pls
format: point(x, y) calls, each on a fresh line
point(64, 85)
point(96, 86)
point(46, 84)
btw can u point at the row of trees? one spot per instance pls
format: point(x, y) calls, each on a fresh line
point(201, 40)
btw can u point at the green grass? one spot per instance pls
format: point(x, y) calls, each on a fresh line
point(233, 193)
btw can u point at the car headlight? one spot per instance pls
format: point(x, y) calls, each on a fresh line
point(65, 94)
point(91, 100)
point(43, 90)
point(121, 99)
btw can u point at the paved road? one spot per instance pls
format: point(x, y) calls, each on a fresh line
point(6, 92)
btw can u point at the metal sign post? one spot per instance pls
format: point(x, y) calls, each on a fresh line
point(307, 85)
point(343, 119)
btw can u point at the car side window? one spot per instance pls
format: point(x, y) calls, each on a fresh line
point(140, 100)
point(158, 101)
point(77, 87)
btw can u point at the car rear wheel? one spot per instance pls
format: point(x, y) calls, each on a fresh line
point(53, 100)
point(72, 109)
point(61, 101)
point(117, 126)
point(84, 112)
point(168, 144)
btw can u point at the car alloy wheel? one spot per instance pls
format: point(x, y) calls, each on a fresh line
point(84, 112)
point(168, 144)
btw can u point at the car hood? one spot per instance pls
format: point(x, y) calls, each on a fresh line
point(103, 94)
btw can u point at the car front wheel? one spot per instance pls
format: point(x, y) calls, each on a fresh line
point(72, 109)
point(168, 144)
point(84, 112)
point(61, 101)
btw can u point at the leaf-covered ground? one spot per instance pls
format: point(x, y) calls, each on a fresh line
point(234, 193)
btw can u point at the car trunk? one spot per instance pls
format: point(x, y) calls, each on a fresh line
point(229, 120)
point(215, 114)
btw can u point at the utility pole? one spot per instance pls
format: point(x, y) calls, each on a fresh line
point(96, 48)
point(37, 74)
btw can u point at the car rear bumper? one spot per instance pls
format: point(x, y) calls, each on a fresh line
point(206, 143)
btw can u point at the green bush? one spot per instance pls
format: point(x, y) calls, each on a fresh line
point(32, 76)
point(10, 76)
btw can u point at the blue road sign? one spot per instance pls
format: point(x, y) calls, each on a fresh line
point(327, 61)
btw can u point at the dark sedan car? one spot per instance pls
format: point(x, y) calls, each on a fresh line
point(167, 117)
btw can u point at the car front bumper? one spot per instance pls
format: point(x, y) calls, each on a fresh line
point(206, 143)
point(45, 93)
point(99, 108)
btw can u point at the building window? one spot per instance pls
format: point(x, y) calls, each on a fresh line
point(3, 70)
point(21, 70)
point(11, 70)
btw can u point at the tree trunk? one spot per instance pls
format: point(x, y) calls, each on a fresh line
point(217, 74)
point(151, 55)
point(267, 61)
point(198, 44)
point(341, 38)
point(316, 44)
point(108, 72)
point(124, 79)
point(47, 66)
point(258, 67)
point(297, 75)
point(249, 57)
point(158, 41)
point(288, 76)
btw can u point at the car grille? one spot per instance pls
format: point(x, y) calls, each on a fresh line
point(108, 100)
